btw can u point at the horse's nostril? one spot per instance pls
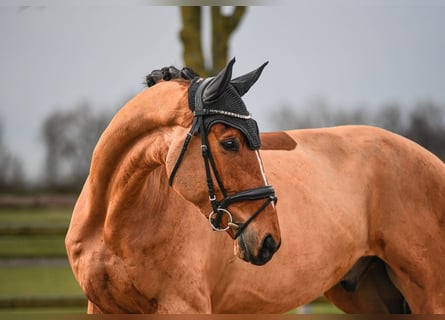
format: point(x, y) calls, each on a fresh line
point(267, 249)
point(265, 252)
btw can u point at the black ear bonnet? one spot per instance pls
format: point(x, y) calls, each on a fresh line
point(218, 99)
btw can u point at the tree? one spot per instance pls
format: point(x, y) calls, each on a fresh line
point(425, 124)
point(316, 114)
point(70, 137)
point(11, 169)
point(391, 118)
point(427, 127)
point(223, 25)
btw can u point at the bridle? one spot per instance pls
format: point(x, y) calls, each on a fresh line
point(220, 208)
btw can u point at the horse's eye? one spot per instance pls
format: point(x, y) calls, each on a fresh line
point(230, 145)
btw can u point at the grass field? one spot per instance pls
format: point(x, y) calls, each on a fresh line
point(32, 246)
point(37, 233)
point(317, 308)
point(43, 311)
point(37, 281)
point(33, 233)
point(43, 217)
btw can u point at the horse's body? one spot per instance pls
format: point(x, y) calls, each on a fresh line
point(135, 245)
point(357, 191)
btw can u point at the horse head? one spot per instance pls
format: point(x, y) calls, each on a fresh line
point(215, 164)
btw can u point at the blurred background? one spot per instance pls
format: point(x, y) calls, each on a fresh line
point(65, 69)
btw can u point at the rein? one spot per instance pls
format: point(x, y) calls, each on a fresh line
point(219, 208)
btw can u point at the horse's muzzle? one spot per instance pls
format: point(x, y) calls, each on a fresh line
point(265, 252)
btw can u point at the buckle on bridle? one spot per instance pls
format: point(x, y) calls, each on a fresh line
point(230, 223)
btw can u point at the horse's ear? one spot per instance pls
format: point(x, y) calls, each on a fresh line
point(219, 84)
point(243, 83)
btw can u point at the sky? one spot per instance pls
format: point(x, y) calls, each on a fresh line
point(347, 52)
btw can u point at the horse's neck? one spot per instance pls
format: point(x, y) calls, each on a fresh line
point(136, 142)
point(130, 157)
point(138, 207)
point(116, 144)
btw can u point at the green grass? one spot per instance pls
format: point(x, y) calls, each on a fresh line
point(37, 281)
point(51, 245)
point(20, 244)
point(35, 217)
point(43, 311)
point(317, 308)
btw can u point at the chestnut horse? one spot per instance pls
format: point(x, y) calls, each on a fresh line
point(345, 193)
